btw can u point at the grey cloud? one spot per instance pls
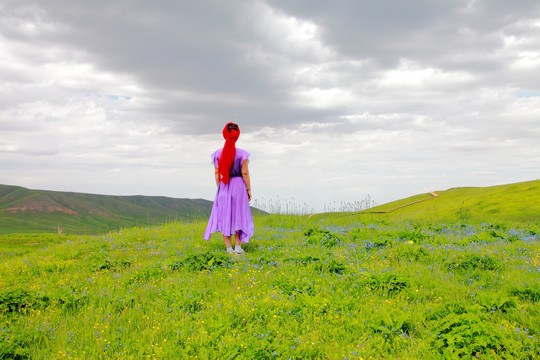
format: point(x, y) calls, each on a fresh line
point(404, 84)
point(180, 45)
point(453, 34)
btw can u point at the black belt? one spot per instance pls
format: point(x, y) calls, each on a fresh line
point(235, 175)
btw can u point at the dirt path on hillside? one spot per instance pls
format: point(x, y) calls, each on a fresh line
point(433, 196)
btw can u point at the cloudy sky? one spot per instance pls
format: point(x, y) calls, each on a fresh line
point(336, 100)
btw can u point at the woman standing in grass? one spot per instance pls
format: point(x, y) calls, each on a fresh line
point(231, 214)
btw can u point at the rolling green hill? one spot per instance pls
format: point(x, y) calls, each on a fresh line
point(519, 202)
point(37, 211)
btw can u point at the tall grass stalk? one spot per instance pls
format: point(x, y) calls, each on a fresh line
point(290, 206)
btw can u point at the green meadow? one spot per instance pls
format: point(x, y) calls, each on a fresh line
point(512, 203)
point(449, 285)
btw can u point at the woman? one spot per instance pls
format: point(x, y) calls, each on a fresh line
point(231, 214)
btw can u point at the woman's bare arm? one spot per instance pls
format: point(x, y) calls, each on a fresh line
point(245, 175)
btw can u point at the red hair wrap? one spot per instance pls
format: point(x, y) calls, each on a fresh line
point(226, 160)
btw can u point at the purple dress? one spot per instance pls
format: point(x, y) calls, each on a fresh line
point(231, 213)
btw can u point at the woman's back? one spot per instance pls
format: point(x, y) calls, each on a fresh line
point(239, 158)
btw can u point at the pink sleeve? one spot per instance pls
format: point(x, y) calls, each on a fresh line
point(244, 156)
point(215, 157)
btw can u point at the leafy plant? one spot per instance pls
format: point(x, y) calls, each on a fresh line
point(18, 299)
point(14, 345)
point(474, 262)
point(528, 293)
point(332, 266)
point(109, 264)
point(392, 326)
point(496, 303)
point(322, 237)
point(203, 261)
point(387, 282)
point(411, 252)
point(356, 234)
point(194, 301)
point(71, 300)
point(290, 287)
point(377, 244)
point(411, 235)
point(443, 310)
point(305, 260)
point(269, 260)
point(146, 274)
point(469, 335)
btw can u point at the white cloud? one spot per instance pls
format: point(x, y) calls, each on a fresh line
point(336, 100)
point(409, 74)
point(288, 35)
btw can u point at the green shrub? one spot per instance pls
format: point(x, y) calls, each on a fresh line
point(109, 264)
point(414, 235)
point(498, 227)
point(194, 302)
point(355, 234)
point(290, 286)
point(474, 262)
point(387, 282)
point(528, 293)
point(469, 335)
point(14, 345)
point(70, 300)
point(302, 260)
point(124, 302)
point(444, 310)
point(322, 237)
point(268, 260)
point(496, 303)
point(376, 244)
point(392, 326)
point(332, 267)
point(203, 261)
point(188, 300)
point(20, 299)
point(411, 252)
point(150, 272)
point(496, 235)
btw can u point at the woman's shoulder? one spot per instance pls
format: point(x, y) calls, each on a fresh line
point(239, 152)
point(242, 154)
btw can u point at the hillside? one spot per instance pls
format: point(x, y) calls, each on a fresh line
point(306, 288)
point(519, 202)
point(24, 210)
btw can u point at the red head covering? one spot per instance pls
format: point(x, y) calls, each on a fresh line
point(226, 160)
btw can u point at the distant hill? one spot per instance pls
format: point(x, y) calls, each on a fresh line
point(519, 202)
point(23, 210)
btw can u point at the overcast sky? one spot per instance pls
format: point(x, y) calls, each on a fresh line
point(336, 100)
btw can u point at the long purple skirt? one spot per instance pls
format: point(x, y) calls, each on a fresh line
point(231, 213)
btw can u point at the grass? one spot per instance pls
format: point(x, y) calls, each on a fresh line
point(22, 244)
point(510, 203)
point(325, 287)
